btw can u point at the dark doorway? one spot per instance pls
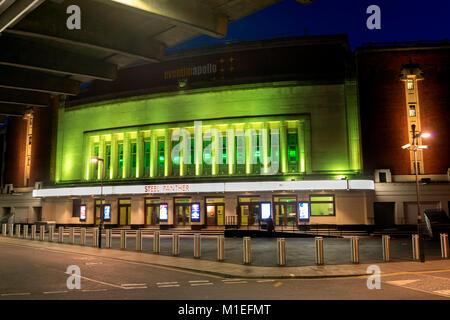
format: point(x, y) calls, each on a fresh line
point(384, 213)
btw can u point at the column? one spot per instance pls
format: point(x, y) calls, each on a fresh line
point(101, 155)
point(248, 144)
point(87, 157)
point(283, 146)
point(215, 142)
point(126, 156)
point(265, 147)
point(139, 155)
point(153, 154)
point(114, 155)
point(301, 147)
point(167, 153)
point(198, 149)
point(231, 151)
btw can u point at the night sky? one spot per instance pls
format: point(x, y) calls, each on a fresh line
point(401, 20)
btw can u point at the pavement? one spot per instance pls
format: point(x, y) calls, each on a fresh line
point(334, 254)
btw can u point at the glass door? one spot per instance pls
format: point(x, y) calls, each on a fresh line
point(97, 211)
point(152, 212)
point(125, 212)
point(285, 211)
point(215, 211)
point(249, 211)
point(183, 212)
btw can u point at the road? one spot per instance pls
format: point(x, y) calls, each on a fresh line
point(40, 274)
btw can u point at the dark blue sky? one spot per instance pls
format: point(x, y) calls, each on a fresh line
point(401, 20)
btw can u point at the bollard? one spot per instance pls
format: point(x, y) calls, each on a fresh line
point(18, 231)
point(61, 234)
point(156, 244)
point(386, 244)
point(281, 251)
point(42, 233)
point(11, 230)
point(33, 232)
point(247, 250)
point(51, 233)
point(176, 244)
point(25, 231)
point(108, 238)
point(319, 251)
point(355, 249)
point(444, 245)
point(197, 246)
point(4, 228)
point(123, 239)
point(139, 240)
point(83, 236)
point(72, 235)
point(95, 235)
point(415, 246)
point(220, 248)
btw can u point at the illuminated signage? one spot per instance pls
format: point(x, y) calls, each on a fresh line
point(163, 212)
point(195, 212)
point(266, 210)
point(83, 213)
point(106, 212)
point(303, 211)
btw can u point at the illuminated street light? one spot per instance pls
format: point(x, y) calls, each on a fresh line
point(100, 229)
point(415, 147)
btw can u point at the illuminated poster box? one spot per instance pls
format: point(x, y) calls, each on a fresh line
point(303, 211)
point(107, 212)
point(195, 212)
point(266, 210)
point(163, 212)
point(83, 213)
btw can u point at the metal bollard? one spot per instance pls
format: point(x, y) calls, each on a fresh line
point(281, 251)
point(108, 238)
point(61, 234)
point(83, 236)
point(247, 250)
point(33, 232)
point(319, 251)
point(415, 246)
point(355, 249)
point(11, 230)
point(197, 246)
point(95, 235)
point(51, 233)
point(42, 233)
point(156, 243)
point(444, 245)
point(220, 248)
point(176, 244)
point(18, 231)
point(386, 243)
point(25, 231)
point(72, 235)
point(123, 239)
point(4, 228)
point(139, 240)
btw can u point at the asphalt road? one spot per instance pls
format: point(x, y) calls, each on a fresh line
point(40, 274)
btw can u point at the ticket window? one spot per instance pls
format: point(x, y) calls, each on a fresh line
point(98, 210)
point(152, 211)
point(249, 211)
point(125, 212)
point(215, 211)
point(182, 211)
point(285, 211)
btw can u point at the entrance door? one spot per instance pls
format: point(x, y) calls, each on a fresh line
point(285, 211)
point(249, 214)
point(384, 213)
point(151, 212)
point(182, 211)
point(97, 211)
point(125, 212)
point(215, 211)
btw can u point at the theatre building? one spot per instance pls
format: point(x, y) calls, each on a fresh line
point(223, 135)
point(404, 85)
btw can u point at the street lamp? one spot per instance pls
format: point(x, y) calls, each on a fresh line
point(100, 229)
point(415, 147)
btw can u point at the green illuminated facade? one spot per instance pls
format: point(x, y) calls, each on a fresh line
point(315, 126)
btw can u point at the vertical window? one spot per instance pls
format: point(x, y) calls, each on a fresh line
point(240, 149)
point(96, 153)
point(224, 149)
point(107, 160)
point(256, 149)
point(161, 157)
point(292, 147)
point(412, 110)
point(274, 146)
point(410, 84)
point(322, 205)
point(120, 160)
point(147, 158)
point(133, 159)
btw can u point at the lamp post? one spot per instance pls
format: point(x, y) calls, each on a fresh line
point(416, 147)
point(100, 228)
